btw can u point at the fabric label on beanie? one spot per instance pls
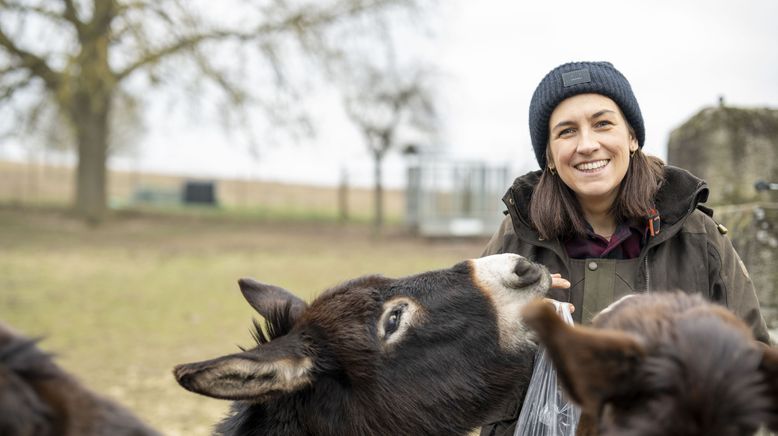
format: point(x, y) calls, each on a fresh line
point(575, 77)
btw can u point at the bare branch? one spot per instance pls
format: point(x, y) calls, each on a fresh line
point(134, 5)
point(22, 8)
point(7, 91)
point(123, 12)
point(9, 69)
point(36, 65)
point(383, 104)
point(178, 46)
point(235, 93)
point(71, 15)
point(299, 22)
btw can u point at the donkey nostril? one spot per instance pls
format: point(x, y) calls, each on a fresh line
point(522, 266)
point(527, 271)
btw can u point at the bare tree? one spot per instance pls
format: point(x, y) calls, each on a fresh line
point(82, 53)
point(386, 104)
point(47, 129)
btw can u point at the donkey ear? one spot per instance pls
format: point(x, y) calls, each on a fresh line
point(272, 368)
point(266, 299)
point(769, 367)
point(592, 364)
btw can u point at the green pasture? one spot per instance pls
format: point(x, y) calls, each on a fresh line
point(121, 304)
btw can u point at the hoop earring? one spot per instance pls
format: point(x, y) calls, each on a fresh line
point(552, 171)
point(632, 154)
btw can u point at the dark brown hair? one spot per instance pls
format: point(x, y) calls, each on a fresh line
point(555, 212)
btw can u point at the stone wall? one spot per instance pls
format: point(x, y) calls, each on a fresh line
point(733, 148)
point(753, 230)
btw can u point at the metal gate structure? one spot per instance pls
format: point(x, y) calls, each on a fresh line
point(448, 198)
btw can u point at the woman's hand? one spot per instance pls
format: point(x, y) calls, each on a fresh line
point(558, 282)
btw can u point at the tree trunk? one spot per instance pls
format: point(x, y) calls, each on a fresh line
point(89, 108)
point(343, 196)
point(90, 121)
point(378, 194)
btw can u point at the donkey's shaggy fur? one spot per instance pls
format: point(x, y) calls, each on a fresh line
point(663, 364)
point(38, 398)
point(431, 354)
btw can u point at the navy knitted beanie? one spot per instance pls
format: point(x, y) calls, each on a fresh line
point(576, 78)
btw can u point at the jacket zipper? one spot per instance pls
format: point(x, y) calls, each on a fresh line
point(651, 243)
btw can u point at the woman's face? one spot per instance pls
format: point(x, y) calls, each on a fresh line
point(590, 143)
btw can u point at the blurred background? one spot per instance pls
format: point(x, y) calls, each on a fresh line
point(153, 152)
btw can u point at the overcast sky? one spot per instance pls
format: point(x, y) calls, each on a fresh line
point(679, 56)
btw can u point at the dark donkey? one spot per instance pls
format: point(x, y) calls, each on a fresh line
point(432, 354)
point(37, 398)
point(667, 364)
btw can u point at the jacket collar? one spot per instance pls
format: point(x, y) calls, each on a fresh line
point(678, 195)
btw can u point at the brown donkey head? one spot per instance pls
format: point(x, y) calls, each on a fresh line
point(433, 353)
point(662, 364)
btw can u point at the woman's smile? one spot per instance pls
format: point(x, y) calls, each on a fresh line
point(589, 146)
point(592, 167)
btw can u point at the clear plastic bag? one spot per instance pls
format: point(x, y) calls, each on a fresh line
point(546, 410)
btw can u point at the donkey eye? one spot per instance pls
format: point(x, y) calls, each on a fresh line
point(393, 321)
point(398, 317)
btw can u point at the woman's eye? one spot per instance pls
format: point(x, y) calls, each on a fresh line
point(603, 123)
point(566, 132)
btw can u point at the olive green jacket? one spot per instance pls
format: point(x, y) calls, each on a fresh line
point(690, 253)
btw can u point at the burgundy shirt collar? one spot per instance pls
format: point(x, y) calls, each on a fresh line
point(625, 243)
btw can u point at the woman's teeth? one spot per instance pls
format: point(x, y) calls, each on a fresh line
point(588, 166)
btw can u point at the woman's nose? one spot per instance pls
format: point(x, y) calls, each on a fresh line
point(587, 143)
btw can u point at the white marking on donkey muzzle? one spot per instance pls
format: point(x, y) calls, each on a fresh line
point(510, 281)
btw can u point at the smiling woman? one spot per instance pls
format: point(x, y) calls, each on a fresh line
point(588, 129)
point(606, 218)
point(590, 147)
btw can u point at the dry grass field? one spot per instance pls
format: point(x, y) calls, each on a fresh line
point(121, 304)
point(22, 183)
